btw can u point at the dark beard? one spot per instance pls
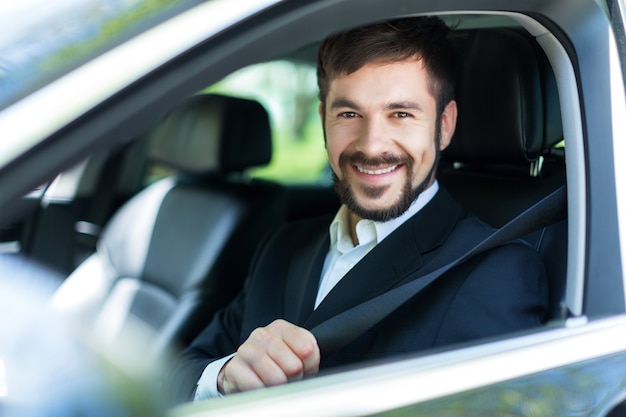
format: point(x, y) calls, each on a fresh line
point(409, 195)
point(346, 194)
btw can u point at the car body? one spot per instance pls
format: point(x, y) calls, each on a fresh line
point(82, 95)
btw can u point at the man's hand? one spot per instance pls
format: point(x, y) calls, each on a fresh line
point(273, 355)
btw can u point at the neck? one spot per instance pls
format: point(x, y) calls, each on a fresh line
point(354, 219)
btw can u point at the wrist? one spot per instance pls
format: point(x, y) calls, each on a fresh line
point(221, 379)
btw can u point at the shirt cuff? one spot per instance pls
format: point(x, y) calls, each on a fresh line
point(207, 384)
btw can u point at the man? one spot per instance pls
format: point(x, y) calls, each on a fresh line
point(387, 108)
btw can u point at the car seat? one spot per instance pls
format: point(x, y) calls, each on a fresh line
point(504, 155)
point(180, 249)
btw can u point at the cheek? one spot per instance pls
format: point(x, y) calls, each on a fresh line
point(418, 143)
point(424, 162)
point(336, 144)
point(426, 153)
point(333, 158)
point(423, 152)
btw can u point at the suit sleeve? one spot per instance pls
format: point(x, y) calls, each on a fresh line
point(506, 291)
point(220, 338)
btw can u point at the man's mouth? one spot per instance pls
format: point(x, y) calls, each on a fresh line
point(376, 171)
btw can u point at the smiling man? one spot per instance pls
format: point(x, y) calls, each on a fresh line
point(384, 136)
point(388, 110)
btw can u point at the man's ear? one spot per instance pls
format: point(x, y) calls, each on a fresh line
point(321, 111)
point(448, 124)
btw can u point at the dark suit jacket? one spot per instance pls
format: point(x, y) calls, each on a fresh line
point(502, 291)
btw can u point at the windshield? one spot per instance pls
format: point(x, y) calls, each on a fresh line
point(43, 40)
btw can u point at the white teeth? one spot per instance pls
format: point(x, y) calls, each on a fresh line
point(377, 171)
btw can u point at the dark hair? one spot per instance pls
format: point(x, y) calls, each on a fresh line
point(425, 38)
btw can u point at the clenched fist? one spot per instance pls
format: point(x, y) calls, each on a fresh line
point(273, 355)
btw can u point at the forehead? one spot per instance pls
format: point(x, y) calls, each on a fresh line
point(383, 81)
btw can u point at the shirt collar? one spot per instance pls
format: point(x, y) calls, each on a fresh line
point(368, 230)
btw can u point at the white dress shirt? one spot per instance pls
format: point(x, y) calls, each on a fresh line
point(342, 256)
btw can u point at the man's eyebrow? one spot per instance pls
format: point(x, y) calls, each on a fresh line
point(394, 105)
point(404, 105)
point(343, 103)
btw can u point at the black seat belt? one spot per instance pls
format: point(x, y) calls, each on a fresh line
point(338, 331)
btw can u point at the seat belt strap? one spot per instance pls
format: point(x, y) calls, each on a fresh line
point(338, 331)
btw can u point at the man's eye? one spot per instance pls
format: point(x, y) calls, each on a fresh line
point(348, 115)
point(401, 114)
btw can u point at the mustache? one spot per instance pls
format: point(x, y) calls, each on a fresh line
point(359, 158)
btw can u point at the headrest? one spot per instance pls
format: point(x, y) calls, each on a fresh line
point(507, 98)
point(211, 133)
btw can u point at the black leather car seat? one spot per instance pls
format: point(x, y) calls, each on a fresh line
point(180, 249)
point(503, 156)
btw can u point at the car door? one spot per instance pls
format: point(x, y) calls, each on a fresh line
point(577, 365)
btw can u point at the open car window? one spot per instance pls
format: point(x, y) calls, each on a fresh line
point(574, 59)
point(288, 91)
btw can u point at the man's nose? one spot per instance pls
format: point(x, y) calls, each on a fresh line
point(372, 140)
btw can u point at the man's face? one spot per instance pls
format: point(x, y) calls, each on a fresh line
point(381, 129)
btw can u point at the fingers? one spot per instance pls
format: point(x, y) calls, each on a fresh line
point(273, 355)
point(304, 345)
point(235, 376)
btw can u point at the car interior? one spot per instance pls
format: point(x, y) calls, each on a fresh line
point(170, 252)
point(178, 250)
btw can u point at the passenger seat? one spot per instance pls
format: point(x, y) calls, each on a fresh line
point(180, 249)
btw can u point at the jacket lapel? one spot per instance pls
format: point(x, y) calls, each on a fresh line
point(402, 253)
point(303, 276)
